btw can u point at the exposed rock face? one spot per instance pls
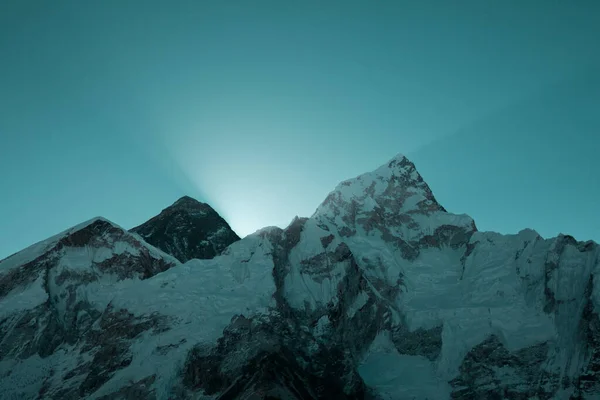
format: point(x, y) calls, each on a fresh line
point(381, 294)
point(188, 229)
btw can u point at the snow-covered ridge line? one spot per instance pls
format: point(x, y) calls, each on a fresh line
point(40, 248)
point(37, 249)
point(381, 294)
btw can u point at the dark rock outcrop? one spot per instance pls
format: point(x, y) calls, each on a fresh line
point(188, 229)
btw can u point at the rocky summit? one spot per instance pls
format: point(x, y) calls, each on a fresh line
point(188, 229)
point(380, 294)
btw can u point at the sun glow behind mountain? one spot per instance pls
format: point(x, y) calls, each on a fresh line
point(251, 189)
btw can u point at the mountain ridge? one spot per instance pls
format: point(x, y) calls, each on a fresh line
point(380, 294)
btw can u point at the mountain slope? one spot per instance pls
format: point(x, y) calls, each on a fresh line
point(188, 229)
point(381, 294)
point(47, 317)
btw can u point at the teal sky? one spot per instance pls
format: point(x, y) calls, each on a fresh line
point(117, 108)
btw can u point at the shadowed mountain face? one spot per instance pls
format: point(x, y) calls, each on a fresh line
point(381, 294)
point(188, 229)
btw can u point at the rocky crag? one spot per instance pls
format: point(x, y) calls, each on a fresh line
point(188, 229)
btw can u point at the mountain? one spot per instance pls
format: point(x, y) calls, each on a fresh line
point(188, 229)
point(380, 294)
point(50, 321)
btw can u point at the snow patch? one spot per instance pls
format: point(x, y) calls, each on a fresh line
point(21, 300)
point(358, 303)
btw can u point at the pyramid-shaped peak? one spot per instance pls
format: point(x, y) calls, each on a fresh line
point(188, 229)
point(399, 159)
point(398, 165)
point(398, 171)
point(395, 185)
point(187, 202)
point(392, 201)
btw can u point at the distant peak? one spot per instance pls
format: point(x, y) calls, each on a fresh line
point(189, 202)
point(188, 229)
point(186, 200)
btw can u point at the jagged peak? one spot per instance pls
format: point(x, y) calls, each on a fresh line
point(396, 162)
point(393, 200)
point(397, 167)
point(398, 178)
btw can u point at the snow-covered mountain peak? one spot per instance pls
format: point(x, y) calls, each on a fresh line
point(393, 202)
point(56, 271)
point(93, 235)
point(38, 249)
point(392, 185)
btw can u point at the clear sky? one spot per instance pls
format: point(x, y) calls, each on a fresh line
point(117, 108)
